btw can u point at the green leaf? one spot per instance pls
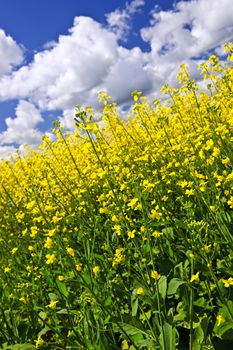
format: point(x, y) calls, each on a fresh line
point(134, 304)
point(137, 337)
point(89, 345)
point(200, 334)
point(52, 296)
point(86, 277)
point(173, 286)
point(162, 287)
point(43, 315)
point(169, 332)
point(63, 312)
point(44, 331)
point(108, 301)
point(62, 288)
point(168, 231)
point(147, 343)
point(19, 347)
point(131, 329)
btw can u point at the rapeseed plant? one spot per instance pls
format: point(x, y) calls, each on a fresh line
point(88, 220)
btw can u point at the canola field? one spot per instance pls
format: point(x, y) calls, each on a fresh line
point(119, 235)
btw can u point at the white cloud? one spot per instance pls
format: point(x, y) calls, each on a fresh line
point(22, 129)
point(184, 34)
point(56, 77)
point(6, 152)
point(119, 20)
point(67, 118)
point(76, 68)
point(11, 53)
point(129, 73)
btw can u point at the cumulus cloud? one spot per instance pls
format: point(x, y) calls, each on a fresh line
point(77, 63)
point(119, 20)
point(22, 130)
point(11, 53)
point(184, 34)
point(81, 64)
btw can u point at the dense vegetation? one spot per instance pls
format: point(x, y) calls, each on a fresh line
point(119, 236)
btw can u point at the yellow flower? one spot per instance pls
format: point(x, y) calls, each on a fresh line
point(53, 304)
point(140, 291)
point(156, 234)
point(23, 299)
point(51, 232)
point(7, 269)
point(39, 342)
point(79, 267)
point(155, 275)
point(61, 278)
point(118, 251)
point(50, 258)
point(207, 247)
point(155, 214)
point(14, 250)
point(115, 218)
point(117, 228)
point(124, 345)
point(34, 231)
point(70, 251)
point(195, 277)
point(131, 234)
point(119, 257)
point(227, 283)
point(133, 202)
point(220, 320)
point(190, 192)
point(142, 229)
point(230, 202)
point(49, 243)
point(96, 270)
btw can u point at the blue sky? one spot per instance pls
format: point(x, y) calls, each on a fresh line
point(58, 53)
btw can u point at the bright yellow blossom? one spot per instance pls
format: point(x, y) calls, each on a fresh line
point(227, 283)
point(39, 342)
point(70, 251)
point(50, 258)
point(96, 270)
point(140, 291)
point(195, 277)
point(53, 304)
point(155, 275)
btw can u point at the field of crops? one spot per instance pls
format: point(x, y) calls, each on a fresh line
point(119, 236)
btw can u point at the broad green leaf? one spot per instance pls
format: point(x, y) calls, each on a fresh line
point(52, 296)
point(168, 231)
point(169, 333)
point(131, 329)
point(44, 331)
point(200, 334)
point(108, 301)
point(173, 286)
point(89, 345)
point(62, 288)
point(147, 343)
point(162, 286)
point(43, 315)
